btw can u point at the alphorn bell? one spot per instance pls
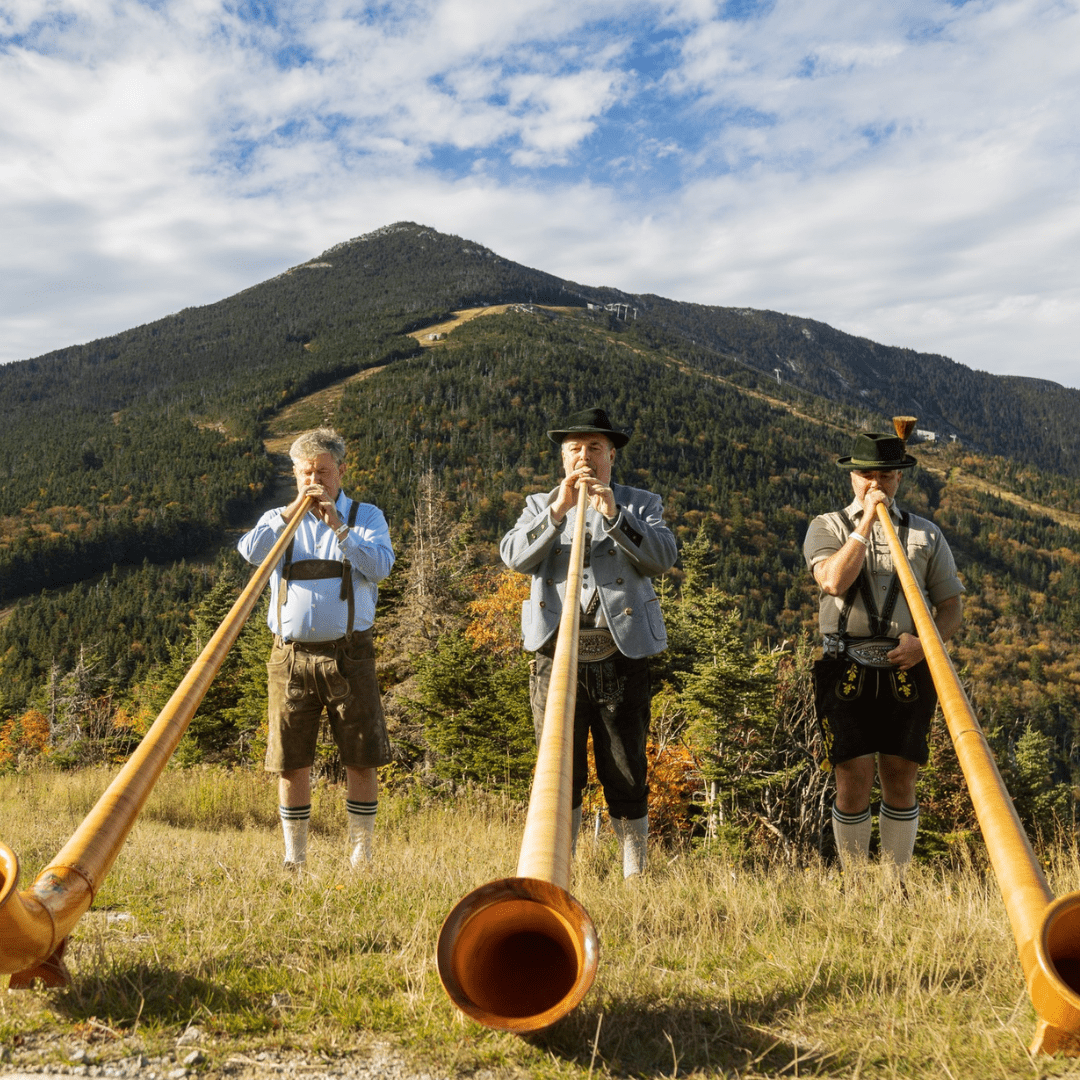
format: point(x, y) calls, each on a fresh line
point(35, 924)
point(1046, 931)
point(519, 953)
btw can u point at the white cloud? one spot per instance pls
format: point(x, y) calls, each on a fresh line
point(906, 172)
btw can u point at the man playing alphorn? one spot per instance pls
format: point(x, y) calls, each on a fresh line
point(873, 691)
point(627, 543)
point(322, 606)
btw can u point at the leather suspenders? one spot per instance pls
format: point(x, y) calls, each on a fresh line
point(879, 622)
point(314, 569)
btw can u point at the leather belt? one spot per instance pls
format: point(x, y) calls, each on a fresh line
point(869, 652)
point(319, 648)
point(595, 645)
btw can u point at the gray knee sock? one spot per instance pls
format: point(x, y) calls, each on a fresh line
point(633, 836)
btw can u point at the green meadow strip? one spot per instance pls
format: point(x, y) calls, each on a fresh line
point(710, 966)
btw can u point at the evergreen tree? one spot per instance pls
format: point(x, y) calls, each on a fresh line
point(474, 707)
point(728, 695)
point(80, 712)
point(214, 732)
point(1044, 806)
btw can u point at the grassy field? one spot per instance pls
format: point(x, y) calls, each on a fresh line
point(707, 967)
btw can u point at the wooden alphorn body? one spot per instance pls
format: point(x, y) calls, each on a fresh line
point(520, 953)
point(1046, 931)
point(35, 924)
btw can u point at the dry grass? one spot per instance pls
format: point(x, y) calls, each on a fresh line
point(707, 968)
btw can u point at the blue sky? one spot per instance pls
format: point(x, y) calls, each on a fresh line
point(908, 173)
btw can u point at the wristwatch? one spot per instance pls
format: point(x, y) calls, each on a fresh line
point(342, 532)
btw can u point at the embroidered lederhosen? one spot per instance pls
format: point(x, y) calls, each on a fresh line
point(313, 569)
point(870, 652)
point(900, 703)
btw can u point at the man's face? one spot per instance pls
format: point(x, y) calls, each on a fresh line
point(323, 470)
point(866, 480)
point(594, 451)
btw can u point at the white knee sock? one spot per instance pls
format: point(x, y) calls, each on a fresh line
point(633, 835)
point(294, 825)
point(361, 831)
point(897, 829)
point(852, 832)
point(575, 828)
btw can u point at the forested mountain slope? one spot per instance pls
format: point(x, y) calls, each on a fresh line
point(139, 450)
point(746, 467)
point(145, 444)
point(1027, 419)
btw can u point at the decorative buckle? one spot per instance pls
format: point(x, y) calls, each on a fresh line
point(872, 652)
point(832, 646)
point(595, 645)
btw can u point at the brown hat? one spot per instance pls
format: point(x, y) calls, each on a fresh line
point(873, 450)
point(589, 422)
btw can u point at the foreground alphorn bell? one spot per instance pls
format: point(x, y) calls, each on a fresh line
point(35, 924)
point(1047, 931)
point(519, 953)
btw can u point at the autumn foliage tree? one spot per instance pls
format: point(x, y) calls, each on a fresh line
point(23, 739)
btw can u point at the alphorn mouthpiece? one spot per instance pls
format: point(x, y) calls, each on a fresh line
point(904, 425)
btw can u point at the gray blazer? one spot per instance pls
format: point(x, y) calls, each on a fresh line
point(623, 557)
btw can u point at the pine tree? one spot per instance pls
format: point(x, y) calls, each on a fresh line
point(728, 696)
point(213, 732)
point(80, 712)
point(474, 707)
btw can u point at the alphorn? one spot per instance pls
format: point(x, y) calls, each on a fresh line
point(1046, 931)
point(520, 953)
point(35, 923)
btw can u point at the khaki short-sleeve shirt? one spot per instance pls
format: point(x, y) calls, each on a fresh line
point(927, 550)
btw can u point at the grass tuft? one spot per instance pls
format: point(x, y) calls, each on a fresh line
point(708, 967)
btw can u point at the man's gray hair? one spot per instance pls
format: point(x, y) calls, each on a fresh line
point(322, 440)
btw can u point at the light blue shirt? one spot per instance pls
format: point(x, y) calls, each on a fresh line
point(313, 611)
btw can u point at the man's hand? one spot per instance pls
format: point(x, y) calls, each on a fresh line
point(601, 496)
point(947, 617)
point(323, 509)
point(908, 653)
point(871, 499)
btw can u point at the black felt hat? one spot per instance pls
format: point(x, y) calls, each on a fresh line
point(589, 422)
point(872, 450)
